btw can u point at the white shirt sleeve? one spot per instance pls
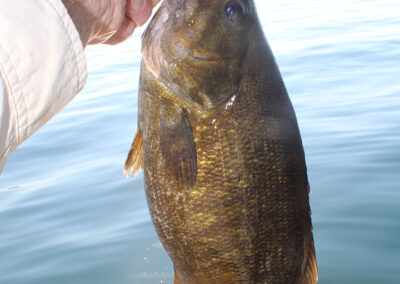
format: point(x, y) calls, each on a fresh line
point(42, 67)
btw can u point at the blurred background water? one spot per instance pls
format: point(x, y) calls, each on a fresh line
point(68, 215)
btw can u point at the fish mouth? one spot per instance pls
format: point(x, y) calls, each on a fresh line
point(183, 51)
point(172, 58)
point(181, 93)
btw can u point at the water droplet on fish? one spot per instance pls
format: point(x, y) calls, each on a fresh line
point(230, 103)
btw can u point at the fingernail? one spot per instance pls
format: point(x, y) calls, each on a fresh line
point(137, 4)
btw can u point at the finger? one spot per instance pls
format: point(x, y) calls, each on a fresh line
point(139, 10)
point(155, 2)
point(126, 30)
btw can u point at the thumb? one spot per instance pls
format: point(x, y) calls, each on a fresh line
point(139, 10)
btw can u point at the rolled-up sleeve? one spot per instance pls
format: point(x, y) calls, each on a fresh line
point(42, 67)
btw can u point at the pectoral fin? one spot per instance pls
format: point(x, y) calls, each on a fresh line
point(178, 148)
point(133, 162)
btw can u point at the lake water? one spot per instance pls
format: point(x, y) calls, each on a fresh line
point(68, 215)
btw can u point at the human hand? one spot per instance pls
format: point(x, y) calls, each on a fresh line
point(108, 21)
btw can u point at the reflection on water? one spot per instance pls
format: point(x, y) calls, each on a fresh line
point(68, 215)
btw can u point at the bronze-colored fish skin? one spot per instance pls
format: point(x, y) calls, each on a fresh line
point(226, 181)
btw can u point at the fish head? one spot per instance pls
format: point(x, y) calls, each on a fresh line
point(197, 48)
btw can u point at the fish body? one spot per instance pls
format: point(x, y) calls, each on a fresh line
point(218, 141)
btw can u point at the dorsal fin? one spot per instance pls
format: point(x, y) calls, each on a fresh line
point(134, 161)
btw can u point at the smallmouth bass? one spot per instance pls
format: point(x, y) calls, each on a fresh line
point(218, 141)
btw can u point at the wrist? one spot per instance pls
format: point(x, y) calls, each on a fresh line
point(79, 19)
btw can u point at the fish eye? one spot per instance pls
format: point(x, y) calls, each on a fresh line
point(234, 11)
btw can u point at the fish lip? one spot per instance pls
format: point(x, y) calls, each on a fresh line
point(180, 93)
point(184, 52)
point(189, 103)
point(187, 53)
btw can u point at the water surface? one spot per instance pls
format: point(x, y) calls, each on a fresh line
point(68, 215)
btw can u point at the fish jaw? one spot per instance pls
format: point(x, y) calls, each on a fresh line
point(152, 52)
point(191, 56)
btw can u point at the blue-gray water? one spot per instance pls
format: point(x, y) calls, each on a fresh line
point(68, 215)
